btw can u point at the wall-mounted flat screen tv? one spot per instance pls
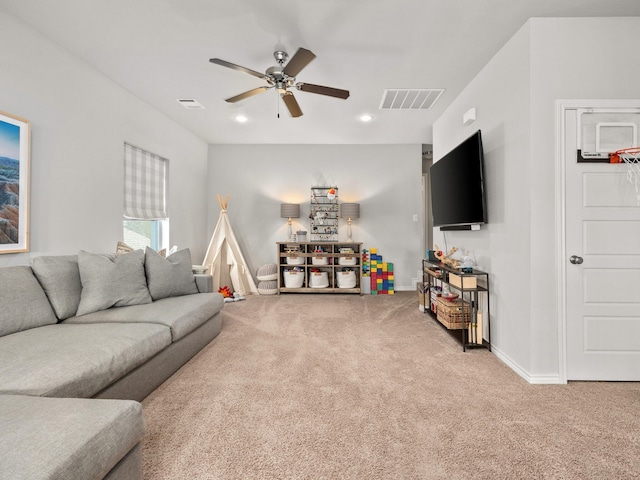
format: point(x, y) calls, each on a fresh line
point(457, 186)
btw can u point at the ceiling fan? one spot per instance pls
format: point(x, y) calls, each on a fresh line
point(283, 77)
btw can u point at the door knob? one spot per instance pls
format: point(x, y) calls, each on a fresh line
point(576, 260)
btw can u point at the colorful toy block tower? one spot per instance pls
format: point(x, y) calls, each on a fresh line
point(381, 274)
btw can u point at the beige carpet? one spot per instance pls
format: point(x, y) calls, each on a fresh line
point(350, 387)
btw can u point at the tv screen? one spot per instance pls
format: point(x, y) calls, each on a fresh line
point(457, 186)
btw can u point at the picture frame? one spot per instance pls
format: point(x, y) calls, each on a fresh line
point(14, 183)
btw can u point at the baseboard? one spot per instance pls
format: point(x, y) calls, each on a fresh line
point(405, 289)
point(532, 379)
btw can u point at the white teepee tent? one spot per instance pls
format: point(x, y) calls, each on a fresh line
point(224, 258)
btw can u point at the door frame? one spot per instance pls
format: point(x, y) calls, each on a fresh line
point(561, 161)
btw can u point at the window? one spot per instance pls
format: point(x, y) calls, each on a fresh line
point(146, 221)
point(146, 233)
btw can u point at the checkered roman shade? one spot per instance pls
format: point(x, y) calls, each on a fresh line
point(144, 185)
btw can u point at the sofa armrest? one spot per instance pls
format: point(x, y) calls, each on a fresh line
point(204, 283)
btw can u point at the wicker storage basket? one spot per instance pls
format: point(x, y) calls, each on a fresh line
point(346, 279)
point(293, 278)
point(348, 260)
point(319, 260)
point(295, 260)
point(318, 279)
point(453, 314)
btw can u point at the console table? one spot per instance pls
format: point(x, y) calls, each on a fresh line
point(462, 313)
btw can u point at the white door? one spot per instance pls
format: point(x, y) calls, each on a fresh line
point(602, 225)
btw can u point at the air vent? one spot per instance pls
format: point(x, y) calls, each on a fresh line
point(410, 98)
point(190, 104)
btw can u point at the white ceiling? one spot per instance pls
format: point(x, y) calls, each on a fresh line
point(160, 49)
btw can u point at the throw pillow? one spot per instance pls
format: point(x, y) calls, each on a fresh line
point(171, 276)
point(110, 282)
point(60, 279)
point(122, 249)
point(23, 303)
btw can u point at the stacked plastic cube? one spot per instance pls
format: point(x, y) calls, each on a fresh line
point(381, 274)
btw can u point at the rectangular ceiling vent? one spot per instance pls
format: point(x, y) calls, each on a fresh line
point(190, 104)
point(410, 98)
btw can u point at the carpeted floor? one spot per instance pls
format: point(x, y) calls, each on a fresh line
point(350, 387)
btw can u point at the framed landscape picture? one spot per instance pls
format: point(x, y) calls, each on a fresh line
point(14, 184)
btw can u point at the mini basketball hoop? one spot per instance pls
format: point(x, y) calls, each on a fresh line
point(630, 156)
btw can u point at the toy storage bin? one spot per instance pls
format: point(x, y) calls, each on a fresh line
point(348, 260)
point(319, 260)
point(453, 314)
point(346, 279)
point(318, 279)
point(293, 278)
point(295, 260)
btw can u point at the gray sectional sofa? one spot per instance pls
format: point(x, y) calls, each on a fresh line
point(83, 339)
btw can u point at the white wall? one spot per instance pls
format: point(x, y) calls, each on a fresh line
point(563, 54)
point(547, 60)
point(79, 123)
point(500, 93)
point(384, 179)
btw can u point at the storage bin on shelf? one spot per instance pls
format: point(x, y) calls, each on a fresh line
point(346, 278)
point(293, 278)
point(453, 314)
point(318, 279)
point(294, 254)
point(463, 281)
point(318, 260)
point(295, 260)
point(348, 260)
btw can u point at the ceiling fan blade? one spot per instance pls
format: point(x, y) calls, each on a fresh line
point(292, 104)
point(300, 60)
point(247, 94)
point(224, 63)
point(331, 92)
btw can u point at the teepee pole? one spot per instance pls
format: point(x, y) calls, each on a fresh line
point(223, 203)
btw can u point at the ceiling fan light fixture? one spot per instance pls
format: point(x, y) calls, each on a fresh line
point(282, 77)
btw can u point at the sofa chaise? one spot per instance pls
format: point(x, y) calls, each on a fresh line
point(83, 339)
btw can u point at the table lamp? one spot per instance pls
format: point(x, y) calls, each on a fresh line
point(349, 211)
point(289, 211)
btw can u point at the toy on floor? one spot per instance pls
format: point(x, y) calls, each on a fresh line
point(226, 292)
point(229, 296)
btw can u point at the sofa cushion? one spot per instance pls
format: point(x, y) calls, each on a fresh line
point(60, 278)
point(171, 276)
point(108, 282)
point(181, 314)
point(23, 303)
point(75, 360)
point(54, 438)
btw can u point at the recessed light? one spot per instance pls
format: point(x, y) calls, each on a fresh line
point(366, 118)
point(241, 118)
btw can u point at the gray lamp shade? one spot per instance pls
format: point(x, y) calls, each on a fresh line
point(350, 210)
point(290, 210)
